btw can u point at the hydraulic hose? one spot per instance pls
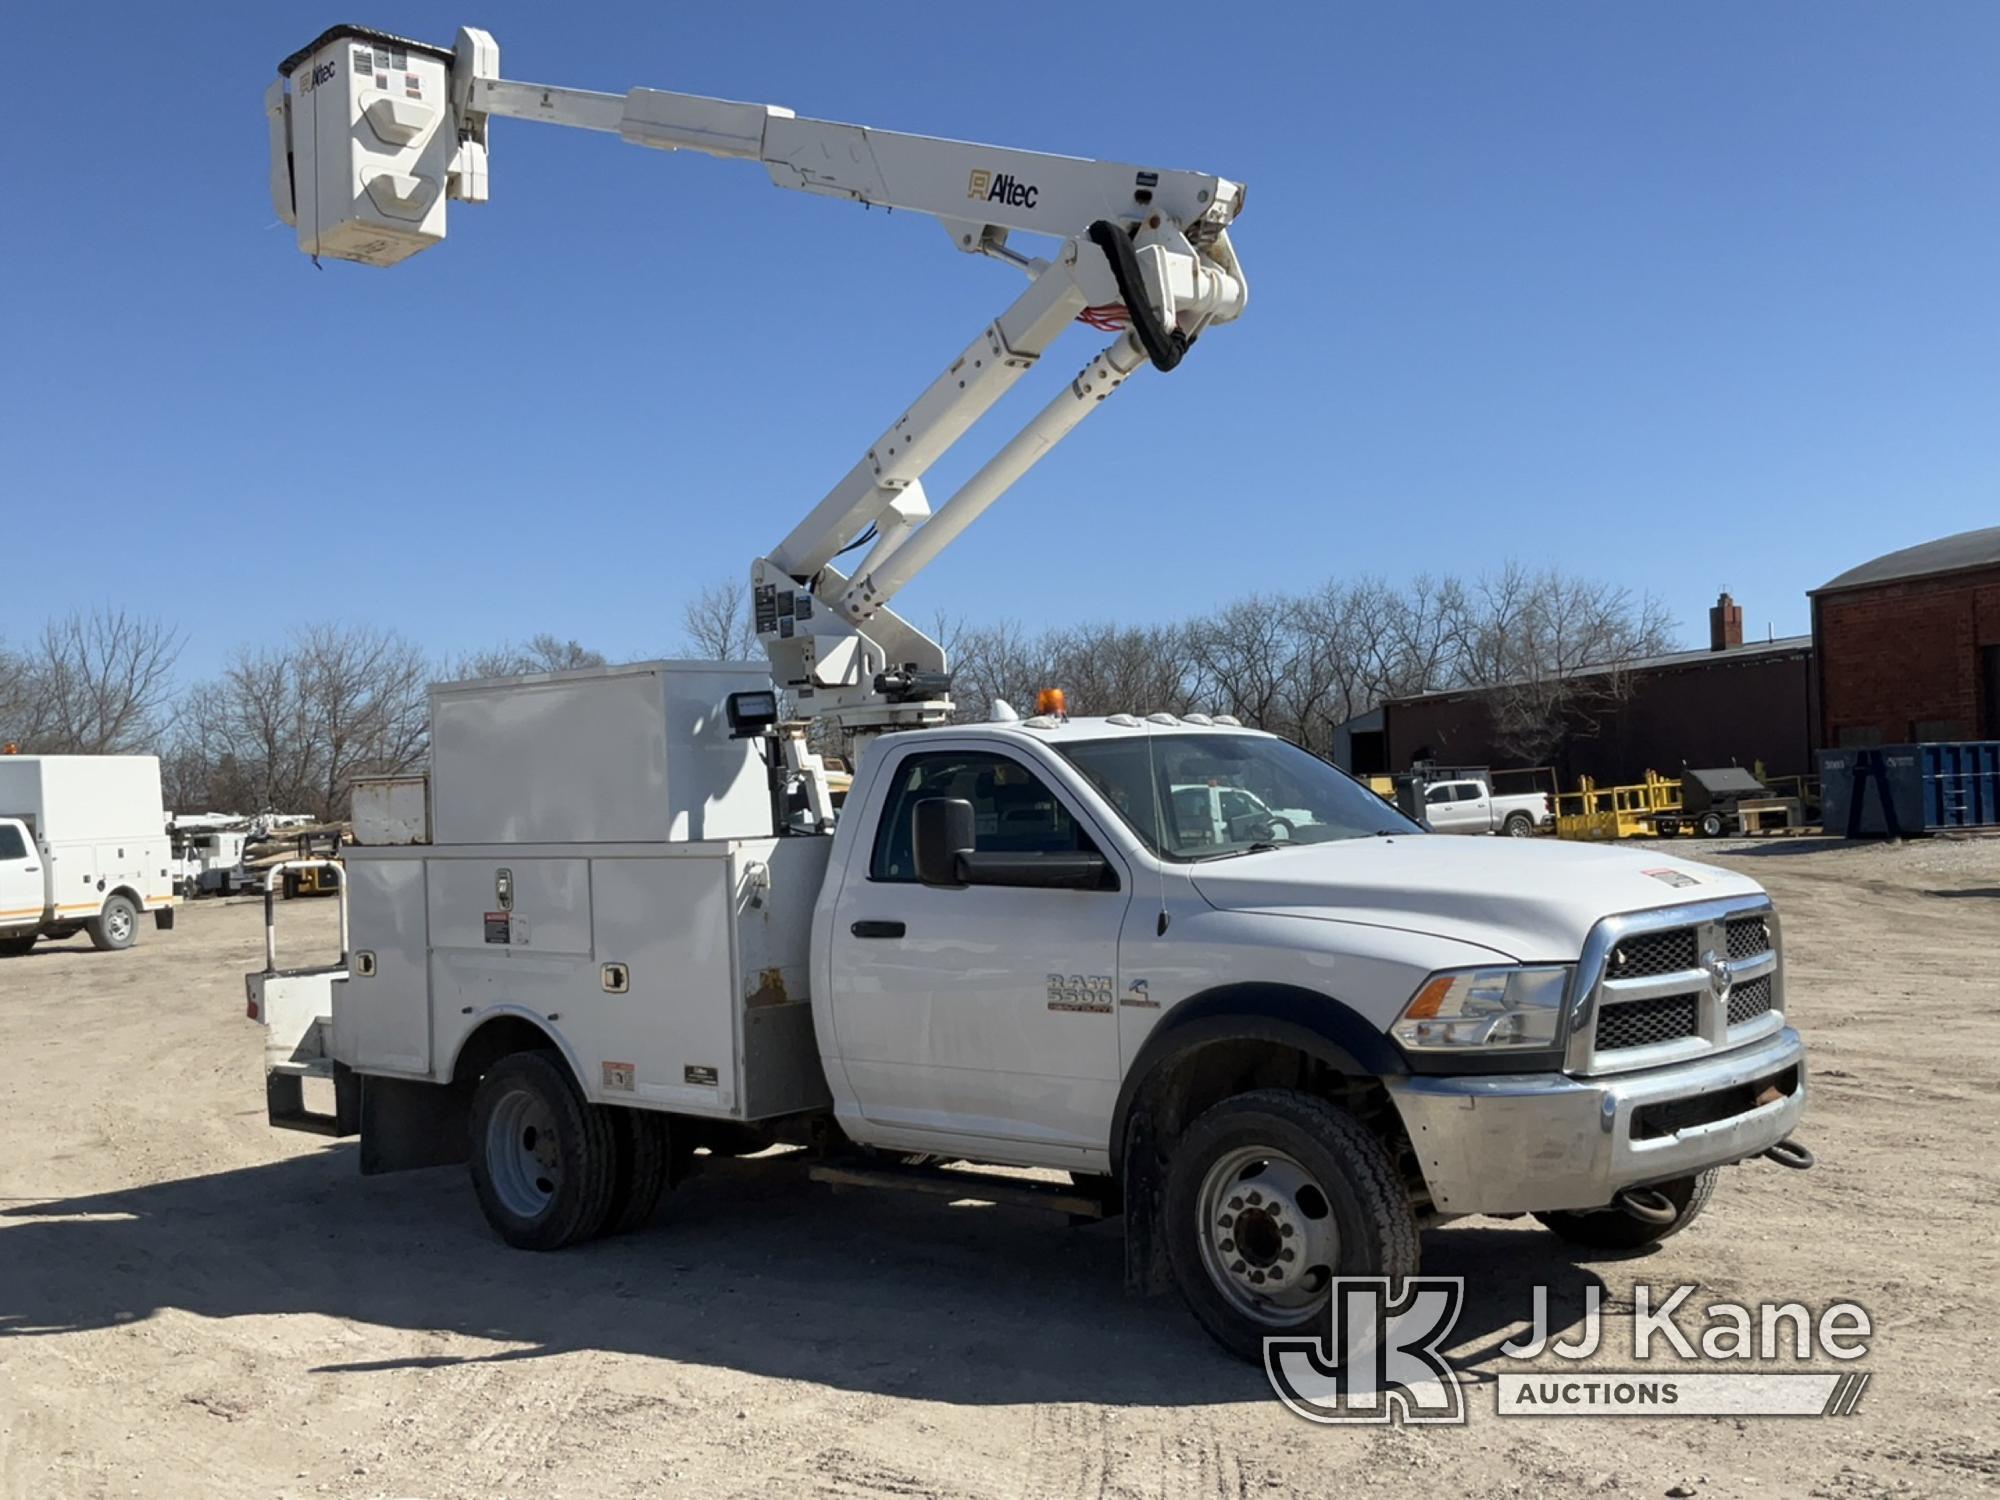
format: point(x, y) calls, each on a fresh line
point(1163, 345)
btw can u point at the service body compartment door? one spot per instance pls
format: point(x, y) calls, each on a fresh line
point(508, 934)
point(382, 1021)
point(665, 927)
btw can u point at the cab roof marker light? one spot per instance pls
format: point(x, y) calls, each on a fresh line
point(1229, 721)
point(1161, 719)
point(1123, 721)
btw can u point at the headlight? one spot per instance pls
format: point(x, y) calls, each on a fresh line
point(1485, 1008)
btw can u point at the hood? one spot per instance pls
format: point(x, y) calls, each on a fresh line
point(1532, 900)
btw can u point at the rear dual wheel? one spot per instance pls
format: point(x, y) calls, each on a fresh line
point(551, 1169)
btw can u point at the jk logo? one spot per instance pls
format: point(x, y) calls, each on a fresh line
point(1379, 1359)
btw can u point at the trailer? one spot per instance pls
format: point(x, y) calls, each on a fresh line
point(1712, 802)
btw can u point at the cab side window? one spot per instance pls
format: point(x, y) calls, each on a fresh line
point(1012, 809)
point(1436, 794)
point(12, 845)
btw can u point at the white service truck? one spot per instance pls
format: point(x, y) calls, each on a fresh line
point(625, 924)
point(83, 848)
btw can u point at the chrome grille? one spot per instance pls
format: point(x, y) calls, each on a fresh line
point(1646, 1023)
point(1750, 999)
point(1649, 988)
point(1647, 953)
point(1748, 937)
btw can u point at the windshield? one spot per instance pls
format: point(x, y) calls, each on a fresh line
point(1199, 796)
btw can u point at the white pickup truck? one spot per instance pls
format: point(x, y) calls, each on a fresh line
point(1278, 1055)
point(1469, 806)
point(83, 848)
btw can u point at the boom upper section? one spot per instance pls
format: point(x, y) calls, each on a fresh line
point(371, 135)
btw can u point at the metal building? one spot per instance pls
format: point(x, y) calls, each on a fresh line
point(1736, 703)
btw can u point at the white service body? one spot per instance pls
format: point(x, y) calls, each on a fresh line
point(600, 850)
point(85, 828)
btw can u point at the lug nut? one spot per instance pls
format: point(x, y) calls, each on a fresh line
point(1237, 1268)
point(1235, 1202)
point(1286, 1230)
point(1287, 1254)
point(1226, 1220)
point(1229, 1247)
point(1255, 1199)
point(1258, 1277)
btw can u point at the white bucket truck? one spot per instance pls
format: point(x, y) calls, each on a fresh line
point(1279, 1059)
point(1279, 1043)
point(83, 848)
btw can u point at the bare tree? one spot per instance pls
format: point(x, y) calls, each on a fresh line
point(541, 653)
point(716, 624)
point(95, 683)
point(20, 705)
point(1554, 650)
point(289, 728)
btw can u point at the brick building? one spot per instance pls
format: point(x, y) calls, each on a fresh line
point(1908, 646)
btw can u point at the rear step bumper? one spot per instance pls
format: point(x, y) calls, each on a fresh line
point(285, 1099)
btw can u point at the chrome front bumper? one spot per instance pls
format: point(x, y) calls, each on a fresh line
point(1520, 1143)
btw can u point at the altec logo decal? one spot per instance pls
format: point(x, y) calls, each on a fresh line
point(319, 75)
point(1004, 188)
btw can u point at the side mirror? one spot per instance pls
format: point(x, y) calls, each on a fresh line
point(943, 831)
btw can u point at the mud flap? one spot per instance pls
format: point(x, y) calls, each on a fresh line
point(1148, 1272)
point(163, 919)
point(407, 1124)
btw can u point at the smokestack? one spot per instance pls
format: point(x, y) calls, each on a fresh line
point(1725, 623)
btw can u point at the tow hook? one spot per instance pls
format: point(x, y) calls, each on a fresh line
point(1789, 1153)
point(1648, 1205)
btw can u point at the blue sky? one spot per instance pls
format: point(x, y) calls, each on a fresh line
point(1685, 296)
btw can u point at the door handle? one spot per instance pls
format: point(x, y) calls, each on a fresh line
point(870, 928)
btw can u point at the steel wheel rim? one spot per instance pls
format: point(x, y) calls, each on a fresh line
point(523, 1161)
point(118, 923)
point(1267, 1236)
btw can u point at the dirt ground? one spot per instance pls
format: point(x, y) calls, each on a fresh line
point(194, 1305)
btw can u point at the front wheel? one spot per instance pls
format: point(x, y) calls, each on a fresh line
point(1270, 1196)
point(115, 927)
point(1614, 1229)
point(543, 1161)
